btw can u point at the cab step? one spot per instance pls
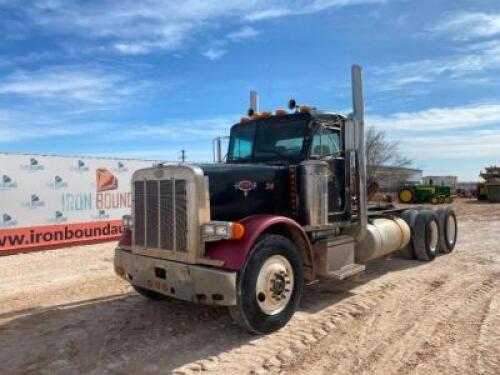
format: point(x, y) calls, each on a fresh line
point(336, 258)
point(347, 271)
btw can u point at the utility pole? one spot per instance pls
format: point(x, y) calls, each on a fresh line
point(183, 156)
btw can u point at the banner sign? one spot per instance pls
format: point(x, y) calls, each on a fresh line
point(49, 201)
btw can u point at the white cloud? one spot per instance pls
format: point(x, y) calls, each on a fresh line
point(69, 83)
point(450, 139)
point(464, 26)
point(437, 119)
point(244, 33)
point(178, 129)
point(214, 54)
point(139, 27)
point(285, 8)
point(20, 125)
point(268, 13)
point(471, 60)
point(469, 145)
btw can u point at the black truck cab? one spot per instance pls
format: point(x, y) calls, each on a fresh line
point(261, 173)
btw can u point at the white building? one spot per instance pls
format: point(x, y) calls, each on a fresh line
point(390, 178)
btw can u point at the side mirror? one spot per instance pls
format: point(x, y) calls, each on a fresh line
point(350, 135)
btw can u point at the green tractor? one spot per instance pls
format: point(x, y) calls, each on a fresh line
point(414, 193)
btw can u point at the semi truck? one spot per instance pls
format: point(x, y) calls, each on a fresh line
point(287, 208)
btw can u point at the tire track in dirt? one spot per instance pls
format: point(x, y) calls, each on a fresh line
point(270, 353)
point(489, 339)
point(414, 334)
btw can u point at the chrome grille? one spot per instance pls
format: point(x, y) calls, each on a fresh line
point(139, 213)
point(166, 214)
point(180, 215)
point(152, 225)
point(160, 214)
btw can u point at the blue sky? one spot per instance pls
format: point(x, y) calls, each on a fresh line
point(145, 79)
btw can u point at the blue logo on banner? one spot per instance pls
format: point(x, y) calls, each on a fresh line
point(58, 218)
point(120, 168)
point(33, 166)
point(80, 167)
point(34, 202)
point(58, 183)
point(7, 221)
point(7, 183)
point(101, 215)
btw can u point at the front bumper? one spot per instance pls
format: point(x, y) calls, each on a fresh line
point(179, 280)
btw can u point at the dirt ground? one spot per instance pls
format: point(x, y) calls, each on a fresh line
point(64, 311)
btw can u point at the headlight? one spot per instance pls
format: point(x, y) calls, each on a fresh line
point(208, 230)
point(222, 230)
point(127, 221)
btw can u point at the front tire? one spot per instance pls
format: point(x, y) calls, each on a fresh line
point(269, 286)
point(149, 294)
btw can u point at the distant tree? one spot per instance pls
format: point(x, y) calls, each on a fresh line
point(380, 152)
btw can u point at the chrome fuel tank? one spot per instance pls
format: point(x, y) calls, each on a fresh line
point(384, 236)
point(314, 191)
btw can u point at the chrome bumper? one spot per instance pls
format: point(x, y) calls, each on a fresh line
point(178, 280)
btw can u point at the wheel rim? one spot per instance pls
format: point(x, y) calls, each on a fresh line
point(405, 196)
point(433, 235)
point(274, 285)
point(450, 230)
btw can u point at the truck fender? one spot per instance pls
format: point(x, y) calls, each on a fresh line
point(235, 252)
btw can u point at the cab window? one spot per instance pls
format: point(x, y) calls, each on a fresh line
point(326, 142)
point(241, 143)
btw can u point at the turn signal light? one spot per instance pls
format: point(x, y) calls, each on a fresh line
point(238, 231)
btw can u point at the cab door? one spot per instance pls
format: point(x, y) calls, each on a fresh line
point(326, 145)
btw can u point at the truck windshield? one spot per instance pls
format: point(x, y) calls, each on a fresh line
point(267, 141)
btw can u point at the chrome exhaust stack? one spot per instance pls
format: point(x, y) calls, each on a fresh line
point(358, 123)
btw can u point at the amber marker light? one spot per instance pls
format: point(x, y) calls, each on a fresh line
point(238, 231)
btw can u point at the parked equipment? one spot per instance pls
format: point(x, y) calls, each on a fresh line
point(491, 186)
point(435, 194)
point(282, 211)
point(482, 193)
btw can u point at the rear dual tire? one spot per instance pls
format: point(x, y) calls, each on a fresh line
point(449, 229)
point(432, 232)
point(409, 217)
point(426, 235)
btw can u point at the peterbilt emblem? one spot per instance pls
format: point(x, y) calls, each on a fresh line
point(245, 186)
point(158, 173)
